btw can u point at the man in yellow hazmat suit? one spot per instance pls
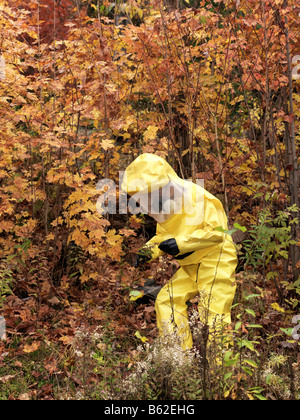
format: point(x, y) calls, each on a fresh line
point(191, 226)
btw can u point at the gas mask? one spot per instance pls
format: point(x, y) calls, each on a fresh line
point(164, 202)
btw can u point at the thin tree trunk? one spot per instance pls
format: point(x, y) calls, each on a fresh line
point(293, 164)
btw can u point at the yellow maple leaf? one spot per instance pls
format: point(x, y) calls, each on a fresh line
point(107, 144)
point(112, 238)
point(30, 348)
point(151, 132)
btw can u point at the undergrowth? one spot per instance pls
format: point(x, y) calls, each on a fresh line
point(255, 357)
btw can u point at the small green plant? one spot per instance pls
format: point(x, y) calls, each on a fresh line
point(6, 282)
point(269, 240)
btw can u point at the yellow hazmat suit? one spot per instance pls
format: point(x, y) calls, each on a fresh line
point(187, 217)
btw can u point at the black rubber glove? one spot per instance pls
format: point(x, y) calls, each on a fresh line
point(142, 257)
point(169, 246)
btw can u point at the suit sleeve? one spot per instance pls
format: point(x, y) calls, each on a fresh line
point(200, 239)
point(204, 235)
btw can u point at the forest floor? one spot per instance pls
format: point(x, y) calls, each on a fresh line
point(84, 341)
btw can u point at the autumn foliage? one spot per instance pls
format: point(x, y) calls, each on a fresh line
point(212, 86)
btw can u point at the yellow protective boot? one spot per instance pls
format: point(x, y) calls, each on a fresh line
point(191, 225)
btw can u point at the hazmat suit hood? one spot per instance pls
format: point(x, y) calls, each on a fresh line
point(146, 173)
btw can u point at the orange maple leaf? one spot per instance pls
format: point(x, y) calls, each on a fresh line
point(30, 348)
